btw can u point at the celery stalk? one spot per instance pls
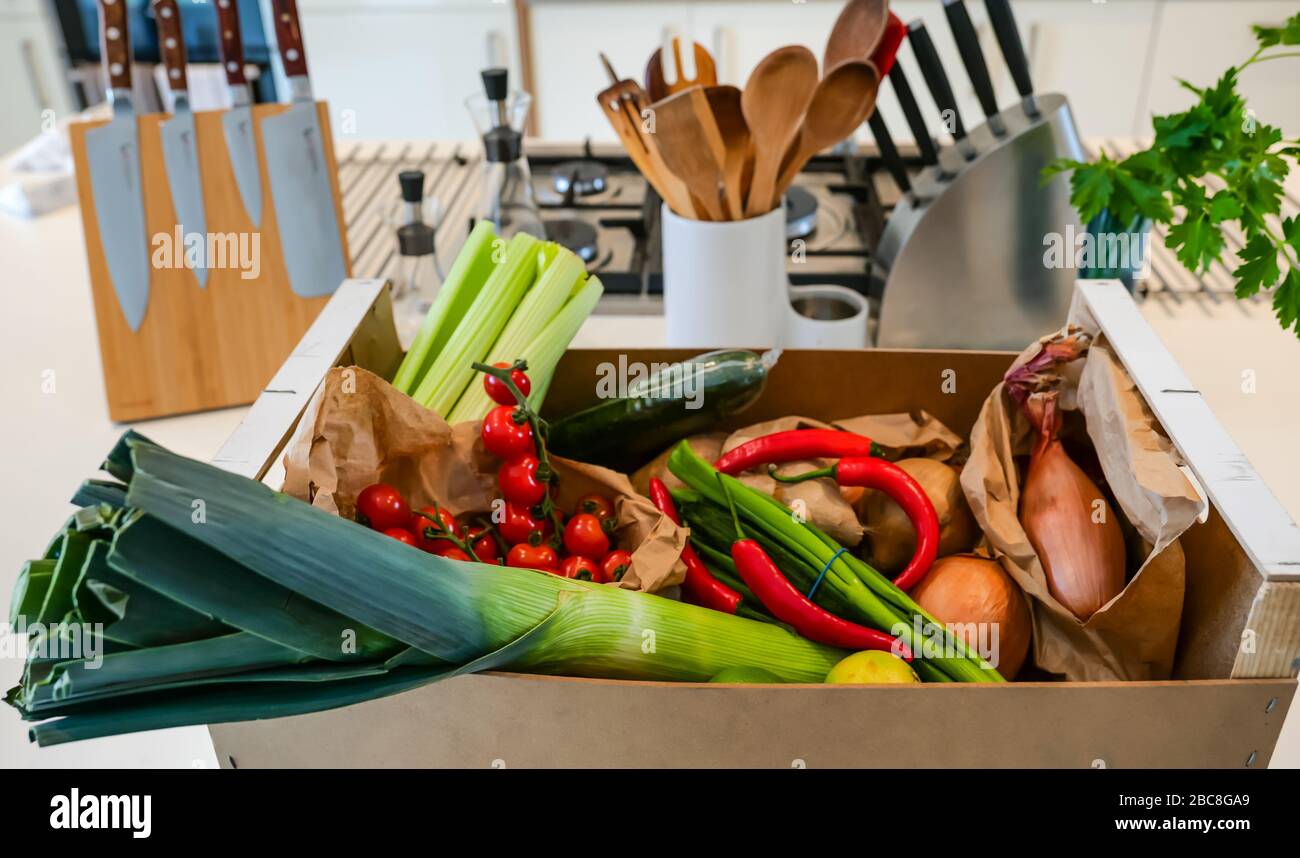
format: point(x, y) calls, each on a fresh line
point(560, 273)
point(451, 372)
point(470, 271)
point(545, 351)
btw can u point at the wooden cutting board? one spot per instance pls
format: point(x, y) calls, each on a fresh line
point(198, 349)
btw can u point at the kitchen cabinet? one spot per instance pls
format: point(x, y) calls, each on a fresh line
point(401, 69)
point(32, 70)
point(1198, 41)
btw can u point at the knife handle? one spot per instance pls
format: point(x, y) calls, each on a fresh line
point(968, 45)
point(115, 43)
point(912, 113)
point(1013, 49)
point(171, 42)
point(230, 42)
point(935, 78)
point(889, 152)
point(288, 35)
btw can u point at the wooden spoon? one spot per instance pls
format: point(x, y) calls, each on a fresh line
point(622, 104)
point(692, 147)
point(842, 101)
point(775, 99)
point(856, 32)
point(725, 103)
point(706, 73)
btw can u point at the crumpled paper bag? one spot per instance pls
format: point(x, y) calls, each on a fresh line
point(1133, 637)
point(358, 429)
point(820, 501)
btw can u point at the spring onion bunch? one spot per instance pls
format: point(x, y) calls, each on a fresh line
point(222, 600)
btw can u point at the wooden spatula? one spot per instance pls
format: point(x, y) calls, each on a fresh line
point(659, 88)
point(724, 101)
point(622, 104)
point(775, 99)
point(691, 145)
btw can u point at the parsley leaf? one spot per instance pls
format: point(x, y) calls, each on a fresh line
point(1258, 269)
point(1287, 34)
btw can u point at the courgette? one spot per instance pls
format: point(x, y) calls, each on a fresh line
point(639, 417)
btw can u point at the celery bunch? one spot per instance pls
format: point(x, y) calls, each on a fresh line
point(521, 299)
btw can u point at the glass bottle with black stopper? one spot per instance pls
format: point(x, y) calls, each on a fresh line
point(508, 200)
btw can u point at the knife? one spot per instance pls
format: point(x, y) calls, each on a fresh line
point(113, 156)
point(237, 123)
point(1013, 51)
point(180, 149)
point(972, 56)
point(300, 180)
point(937, 80)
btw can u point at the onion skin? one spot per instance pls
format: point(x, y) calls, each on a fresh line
point(1083, 558)
point(968, 589)
point(892, 538)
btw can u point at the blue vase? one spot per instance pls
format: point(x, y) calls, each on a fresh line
point(1119, 250)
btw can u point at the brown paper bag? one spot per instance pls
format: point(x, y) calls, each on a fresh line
point(358, 429)
point(1132, 637)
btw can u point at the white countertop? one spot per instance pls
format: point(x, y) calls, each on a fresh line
point(54, 438)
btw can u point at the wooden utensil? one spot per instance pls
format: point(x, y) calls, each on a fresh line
point(842, 101)
point(775, 99)
point(658, 88)
point(724, 101)
point(622, 104)
point(856, 33)
point(692, 147)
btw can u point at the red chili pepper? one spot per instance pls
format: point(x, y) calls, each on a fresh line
point(700, 587)
point(903, 490)
point(795, 445)
point(809, 619)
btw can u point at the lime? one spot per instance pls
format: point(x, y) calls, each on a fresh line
point(747, 675)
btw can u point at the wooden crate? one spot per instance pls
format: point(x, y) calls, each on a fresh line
point(1224, 707)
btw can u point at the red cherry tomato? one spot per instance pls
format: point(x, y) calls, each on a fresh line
point(533, 557)
point(382, 507)
point(427, 529)
point(584, 536)
point(451, 552)
point(582, 569)
point(499, 392)
point(518, 481)
point(598, 505)
point(503, 437)
point(520, 526)
point(483, 545)
point(402, 535)
point(615, 565)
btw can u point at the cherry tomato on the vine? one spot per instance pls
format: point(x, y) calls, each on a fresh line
point(526, 556)
point(499, 392)
point(382, 507)
point(503, 437)
point(581, 569)
point(615, 565)
point(518, 481)
point(483, 545)
point(584, 536)
point(521, 526)
point(451, 552)
point(402, 535)
point(598, 505)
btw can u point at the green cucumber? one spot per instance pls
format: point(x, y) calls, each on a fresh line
point(638, 418)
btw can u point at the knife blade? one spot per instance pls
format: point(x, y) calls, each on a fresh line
point(113, 156)
point(300, 180)
point(179, 145)
point(237, 123)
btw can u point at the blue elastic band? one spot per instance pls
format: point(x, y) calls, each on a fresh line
point(812, 591)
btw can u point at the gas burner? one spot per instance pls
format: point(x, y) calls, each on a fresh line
point(576, 235)
point(800, 213)
point(580, 178)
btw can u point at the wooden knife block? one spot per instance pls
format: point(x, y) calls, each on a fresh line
point(206, 348)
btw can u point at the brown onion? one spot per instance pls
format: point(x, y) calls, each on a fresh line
point(965, 589)
point(893, 539)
